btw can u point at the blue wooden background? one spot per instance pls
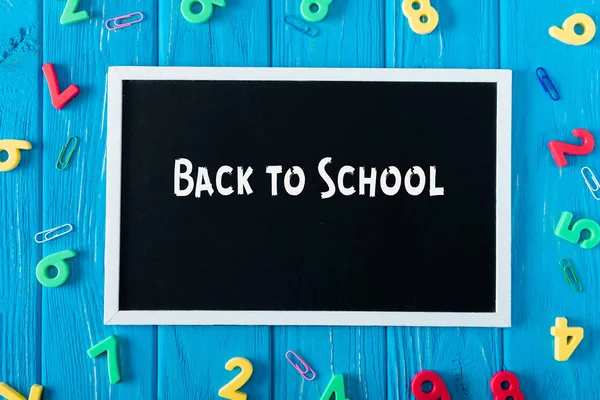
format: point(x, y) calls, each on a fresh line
point(44, 333)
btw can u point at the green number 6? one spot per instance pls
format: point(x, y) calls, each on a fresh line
point(574, 234)
point(202, 16)
point(307, 6)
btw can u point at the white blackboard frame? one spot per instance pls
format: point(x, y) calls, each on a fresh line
point(501, 318)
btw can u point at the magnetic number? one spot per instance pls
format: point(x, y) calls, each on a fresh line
point(574, 234)
point(567, 33)
point(230, 391)
point(335, 387)
point(11, 394)
point(422, 20)
point(505, 386)
point(71, 16)
point(566, 339)
point(319, 14)
point(559, 149)
point(202, 16)
point(438, 391)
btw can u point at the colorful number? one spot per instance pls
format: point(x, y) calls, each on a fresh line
point(71, 16)
point(13, 148)
point(506, 386)
point(108, 345)
point(56, 260)
point(322, 8)
point(230, 391)
point(559, 149)
point(11, 394)
point(422, 20)
point(202, 16)
point(574, 234)
point(566, 339)
point(438, 391)
point(568, 35)
point(335, 387)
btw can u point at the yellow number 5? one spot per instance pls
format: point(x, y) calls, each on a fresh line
point(423, 19)
point(230, 391)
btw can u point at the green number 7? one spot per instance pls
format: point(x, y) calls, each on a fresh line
point(574, 234)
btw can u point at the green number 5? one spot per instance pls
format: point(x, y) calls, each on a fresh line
point(202, 16)
point(574, 234)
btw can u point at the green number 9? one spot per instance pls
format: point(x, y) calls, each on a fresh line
point(317, 15)
point(202, 16)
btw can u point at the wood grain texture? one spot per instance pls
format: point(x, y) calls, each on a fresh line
point(466, 358)
point(350, 36)
point(192, 359)
point(542, 191)
point(72, 313)
point(20, 194)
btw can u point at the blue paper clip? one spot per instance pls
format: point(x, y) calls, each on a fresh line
point(547, 83)
point(307, 372)
point(300, 26)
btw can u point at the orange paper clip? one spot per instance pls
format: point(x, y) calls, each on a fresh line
point(306, 372)
point(117, 25)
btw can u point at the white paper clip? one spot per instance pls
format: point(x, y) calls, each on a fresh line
point(594, 180)
point(53, 233)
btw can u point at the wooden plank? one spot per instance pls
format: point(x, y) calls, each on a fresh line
point(191, 360)
point(73, 313)
point(466, 358)
point(350, 36)
point(20, 194)
point(542, 191)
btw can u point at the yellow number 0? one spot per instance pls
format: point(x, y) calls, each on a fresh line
point(422, 20)
point(230, 391)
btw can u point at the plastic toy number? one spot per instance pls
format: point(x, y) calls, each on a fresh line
point(423, 19)
point(315, 10)
point(204, 15)
point(71, 16)
point(13, 148)
point(438, 391)
point(335, 387)
point(574, 234)
point(505, 385)
point(230, 391)
point(567, 33)
point(566, 339)
point(559, 149)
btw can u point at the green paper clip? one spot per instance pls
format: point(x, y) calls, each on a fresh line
point(61, 163)
point(56, 260)
point(573, 281)
point(108, 345)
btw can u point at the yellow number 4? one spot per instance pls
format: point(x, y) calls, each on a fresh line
point(566, 339)
point(11, 394)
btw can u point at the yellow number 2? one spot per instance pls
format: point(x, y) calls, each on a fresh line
point(230, 391)
point(423, 18)
point(568, 35)
point(566, 339)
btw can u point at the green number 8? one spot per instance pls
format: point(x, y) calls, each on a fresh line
point(319, 14)
point(202, 16)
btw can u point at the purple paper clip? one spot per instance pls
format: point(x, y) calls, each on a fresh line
point(115, 21)
point(307, 370)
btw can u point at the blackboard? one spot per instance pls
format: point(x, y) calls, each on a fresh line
point(308, 196)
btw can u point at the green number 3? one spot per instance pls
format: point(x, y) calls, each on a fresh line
point(574, 234)
point(202, 16)
point(322, 8)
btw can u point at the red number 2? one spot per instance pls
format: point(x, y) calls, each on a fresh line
point(559, 149)
point(505, 385)
point(438, 388)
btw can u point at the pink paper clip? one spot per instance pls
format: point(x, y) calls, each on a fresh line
point(304, 372)
point(116, 25)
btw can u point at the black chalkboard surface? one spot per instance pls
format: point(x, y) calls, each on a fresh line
point(295, 196)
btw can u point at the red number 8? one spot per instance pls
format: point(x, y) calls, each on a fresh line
point(512, 387)
point(438, 390)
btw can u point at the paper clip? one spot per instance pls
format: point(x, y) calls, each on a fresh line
point(300, 26)
point(62, 164)
point(307, 369)
point(547, 83)
point(115, 21)
point(566, 267)
point(48, 235)
point(594, 180)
